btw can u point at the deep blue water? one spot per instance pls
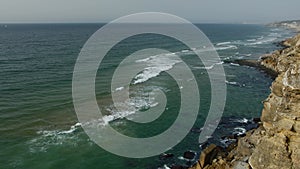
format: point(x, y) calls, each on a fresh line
point(36, 108)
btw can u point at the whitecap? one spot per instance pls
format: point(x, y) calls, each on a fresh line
point(164, 167)
point(227, 47)
point(119, 89)
point(234, 64)
point(185, 51)
point(247, 54)
point(115, 115)
point(223, 43)
point(231, 83)
point(142, 60)
point(260, 37)
point(181, 158)
point(251, 40)
point(208, 67)
point(243, 120)
point(203, 67)
point(262, 41)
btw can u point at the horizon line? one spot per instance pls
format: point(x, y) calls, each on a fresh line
point(250, 23)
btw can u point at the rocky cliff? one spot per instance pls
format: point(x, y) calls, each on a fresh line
point(276, 143)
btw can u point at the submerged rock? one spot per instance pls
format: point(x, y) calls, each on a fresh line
point(165, 156)
point(190, 155)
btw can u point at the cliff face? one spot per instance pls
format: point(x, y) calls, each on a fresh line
point(280, 146)
point(276, 143)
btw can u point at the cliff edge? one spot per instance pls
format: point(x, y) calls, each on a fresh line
point(276, 143)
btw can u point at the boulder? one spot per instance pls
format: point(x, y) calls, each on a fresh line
point(208, 154)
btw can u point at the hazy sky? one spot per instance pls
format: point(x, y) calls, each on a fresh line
point(252, 11)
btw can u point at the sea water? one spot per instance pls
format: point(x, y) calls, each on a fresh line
point(38, 124)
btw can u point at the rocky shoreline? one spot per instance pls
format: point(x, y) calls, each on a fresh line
point(275, 144)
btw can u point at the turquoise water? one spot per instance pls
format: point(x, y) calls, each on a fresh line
point(37, 118)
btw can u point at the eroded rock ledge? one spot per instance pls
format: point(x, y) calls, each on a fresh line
point(276, 143)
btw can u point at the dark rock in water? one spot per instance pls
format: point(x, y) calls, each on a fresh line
point(165, 156)
point(203, 145)
point(189, 155)
point(232, 137)
point(196, 130)
point(251, 126)
point(256, 120)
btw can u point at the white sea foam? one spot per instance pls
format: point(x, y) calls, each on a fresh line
point(156, 64)
point(163, 62)
point(234, 64)
point(185, 51)
point(59, 132)
point(119, 88)
point(143, 60)
point(239, 131)
point(114, 116)
point(231, 83)
point(129, 107)
point(262, 41)
point(208, 67)
point(260, 37)
point(257, 41)
point(274, 34)
point(47, 138)
point(227, 141)
point(243, 120)
point(164, 167)
point(181, 158)
point(227, 47)
point(251, 40)
point(223, 43)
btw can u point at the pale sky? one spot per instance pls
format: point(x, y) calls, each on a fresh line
point(225, 11)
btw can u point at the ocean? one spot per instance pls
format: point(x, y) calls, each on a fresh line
point(38, 124)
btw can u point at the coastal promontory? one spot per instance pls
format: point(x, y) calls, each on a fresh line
point(275, 144)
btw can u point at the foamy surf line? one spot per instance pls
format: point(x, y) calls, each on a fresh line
point(223, 43)
point(164, 62)
point(48, 138)
point(129, 107)
point(208, 67)
point(263, 41)
point(159, 63)
point(155, 65)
